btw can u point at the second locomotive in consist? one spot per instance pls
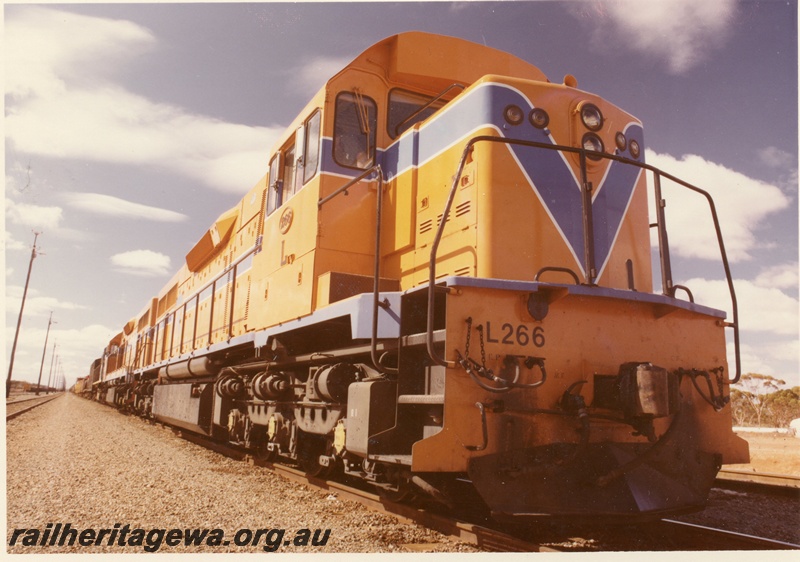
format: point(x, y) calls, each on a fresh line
point(445, 276)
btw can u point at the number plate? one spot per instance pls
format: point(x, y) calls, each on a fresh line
point(521, 335)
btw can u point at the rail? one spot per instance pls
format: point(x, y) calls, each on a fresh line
point(42, 401)
point(677, 535)
point(486, 538)
point(765, 482)
point(668, 288)
point(700, 537)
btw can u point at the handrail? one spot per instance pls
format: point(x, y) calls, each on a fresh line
point(725, 264)
point(351, 183)
point(587, 234)
point(559, 270)
point(233, 267)
point(376, 361)
point(376, 304)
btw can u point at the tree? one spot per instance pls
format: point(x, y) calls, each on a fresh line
point(783, 406)
point(740, 410)
point(754, 397)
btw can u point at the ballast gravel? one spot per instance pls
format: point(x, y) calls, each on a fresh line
point(81, 463)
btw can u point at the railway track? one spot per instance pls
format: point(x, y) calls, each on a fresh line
point(666, 534)
point(20, 397)
point(699, 537)
point(478, 535)
point(657, 536)
point(18, 407)
point(760, 482)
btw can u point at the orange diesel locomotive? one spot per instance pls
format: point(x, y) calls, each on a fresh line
point(444, 278)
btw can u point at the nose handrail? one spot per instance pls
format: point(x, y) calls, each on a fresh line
point(668, 288)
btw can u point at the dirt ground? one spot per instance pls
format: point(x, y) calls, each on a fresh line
point(776, 454)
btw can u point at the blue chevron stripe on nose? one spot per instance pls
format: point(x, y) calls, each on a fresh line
point(547, 171)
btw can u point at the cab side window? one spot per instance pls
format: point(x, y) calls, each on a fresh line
point(354, 130)
point(288, 174)
point(407, 108)
point(274, 187)
point(312, 147)
point(288, 170)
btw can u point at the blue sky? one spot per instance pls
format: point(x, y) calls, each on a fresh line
point(130, 127)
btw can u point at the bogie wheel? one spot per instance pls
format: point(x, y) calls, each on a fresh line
point(261, 453)
point(406, 493)
point(310, 448)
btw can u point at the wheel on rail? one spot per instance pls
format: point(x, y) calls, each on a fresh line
point(264, 454)
point(405, 493)
point(309, 450)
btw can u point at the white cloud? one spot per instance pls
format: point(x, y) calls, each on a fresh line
point(116, 207)
point(35, 304)
point(783, 276)
point(141, 262)
point(34, 216)
point(46, 48)
point(680, 32)
point(743, 204)
point(775, 157)
point(64, 103)
point(761, 309)
point(768, 323)
point(75, 348)
point(312, 74)
point(18, 177)
point(11, 244)
point(778, 359)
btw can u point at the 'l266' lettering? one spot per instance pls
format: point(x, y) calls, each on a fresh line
point(519, 334)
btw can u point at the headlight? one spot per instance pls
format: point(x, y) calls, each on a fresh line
point(592, 117)
point(635, 149)
point(592, 142)
point(513, 115)
point(622, 142)
point(539, 118)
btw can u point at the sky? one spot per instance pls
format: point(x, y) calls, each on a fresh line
point(129, 128)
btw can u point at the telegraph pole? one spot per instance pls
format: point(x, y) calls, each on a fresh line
point(44, 352)
point(52, 359)
point(47, 388)
point(19, 320)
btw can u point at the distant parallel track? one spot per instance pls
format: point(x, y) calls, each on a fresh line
point(762, 482)
point(20, 411)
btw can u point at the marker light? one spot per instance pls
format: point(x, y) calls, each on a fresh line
point(622, 142)
point(513, 115)
point(591, 117)
point(592, 142)
point(539, 118)
point(634, 147)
